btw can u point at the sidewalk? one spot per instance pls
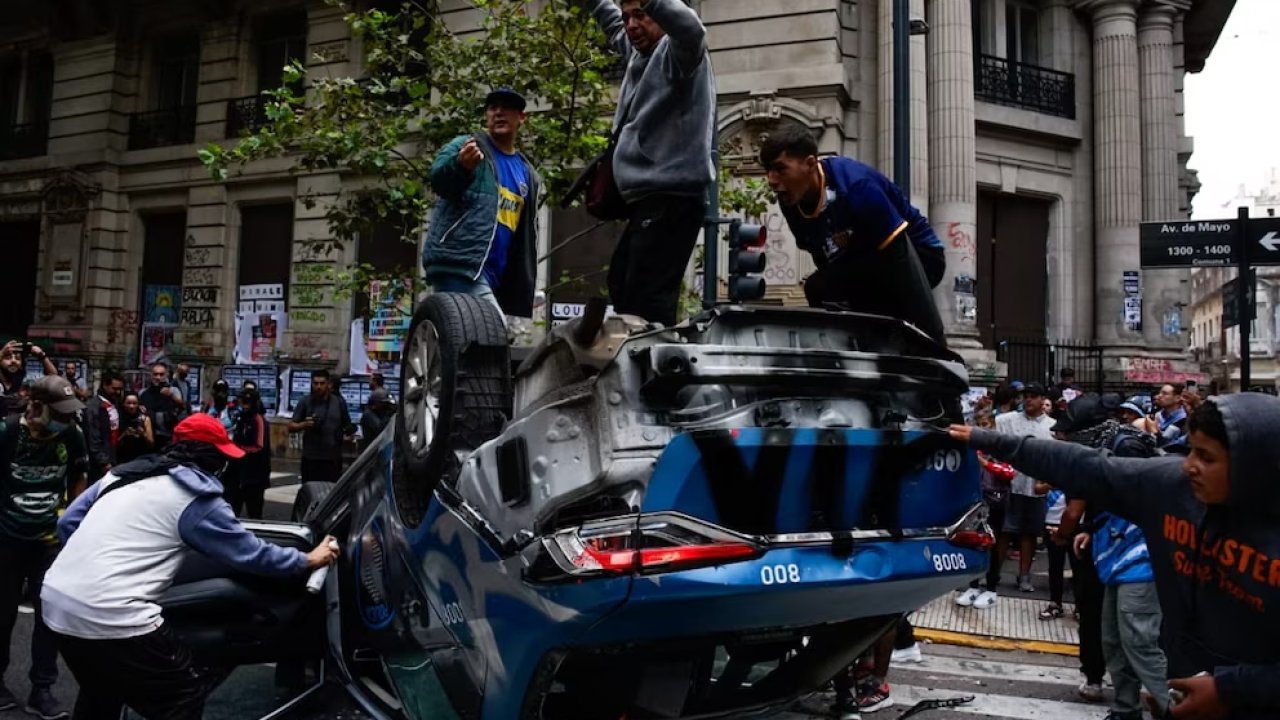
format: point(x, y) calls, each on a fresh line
point(1012, 624)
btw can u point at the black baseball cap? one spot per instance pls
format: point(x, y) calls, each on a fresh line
point(505, 97)
point(1033, 389)
point(1082, 413)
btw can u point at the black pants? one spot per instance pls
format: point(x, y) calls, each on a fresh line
point(25, 562)
point(1057, 568)
point(1088, 591)
point(249, 500)
point(649, 263)
point(889, 282)
point(323, 470)
point(934, 262)
point(153, 674)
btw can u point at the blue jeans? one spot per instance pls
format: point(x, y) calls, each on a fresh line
point(458, 284)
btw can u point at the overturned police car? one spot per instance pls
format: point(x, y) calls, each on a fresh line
point(705, 520)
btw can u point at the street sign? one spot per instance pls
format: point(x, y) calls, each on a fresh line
point(1207, 243)
point(1188, 243)
point(1231, 302)
point(1264, 239)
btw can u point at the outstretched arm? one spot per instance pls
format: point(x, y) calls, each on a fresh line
point(1117, 484)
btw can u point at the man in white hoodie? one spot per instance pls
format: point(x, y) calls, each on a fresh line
point(124, 540)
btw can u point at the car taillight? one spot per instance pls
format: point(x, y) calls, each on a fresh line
point(659, 543)
point(972, 531)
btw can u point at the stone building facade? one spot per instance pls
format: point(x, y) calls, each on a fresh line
point(1043, 132)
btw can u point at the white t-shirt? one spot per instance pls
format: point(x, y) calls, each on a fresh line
point(1019, 424)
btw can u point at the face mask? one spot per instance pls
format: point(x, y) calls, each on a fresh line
point(55, 427)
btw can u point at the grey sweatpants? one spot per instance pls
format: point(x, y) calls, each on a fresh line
point(1131, 642)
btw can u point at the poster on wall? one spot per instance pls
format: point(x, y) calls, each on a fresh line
point(391, 306)
point(195, 383)
point(155, 342)
point(162, 304)
point(264, 376)
point(298, 381)
point(1132, 301)
point(258, 336)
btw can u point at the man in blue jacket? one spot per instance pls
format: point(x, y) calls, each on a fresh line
point(1212, 524)
point(483, 235)
point(662, 157)
point(875, 252)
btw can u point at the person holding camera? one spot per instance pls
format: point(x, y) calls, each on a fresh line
point(165, 403)
point(13, 373)
point(136, 436)
point(324, 421)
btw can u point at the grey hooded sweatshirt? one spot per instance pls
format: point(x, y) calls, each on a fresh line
point(666, 105)
point(1217, 568)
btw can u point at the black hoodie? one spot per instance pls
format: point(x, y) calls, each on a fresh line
point(1217, 568)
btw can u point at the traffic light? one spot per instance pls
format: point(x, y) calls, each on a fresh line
point(746, 261)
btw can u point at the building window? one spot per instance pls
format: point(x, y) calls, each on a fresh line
point(266, 245)
point(1022, 33)
point(175, 75)
point(26, 96)
point(279, 40)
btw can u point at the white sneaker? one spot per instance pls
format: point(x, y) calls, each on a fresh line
point(908, 655)
point(966, 598)
point(986, 600)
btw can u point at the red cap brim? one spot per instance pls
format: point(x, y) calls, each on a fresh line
point(230, 449)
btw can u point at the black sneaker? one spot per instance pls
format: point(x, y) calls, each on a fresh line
point(7, 700)
point(846, 708)
point(43, 705)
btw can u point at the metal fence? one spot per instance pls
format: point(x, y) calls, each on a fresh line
point(1032, 360)
point(1017, 84)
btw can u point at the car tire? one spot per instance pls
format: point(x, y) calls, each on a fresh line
point(309, 497)
point(455, 385)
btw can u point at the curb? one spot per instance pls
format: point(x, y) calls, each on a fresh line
point(984, 642)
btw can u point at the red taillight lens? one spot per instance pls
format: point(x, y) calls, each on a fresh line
point(669, 558)
point(972, 531)
point(661, 543)
point(973, 539)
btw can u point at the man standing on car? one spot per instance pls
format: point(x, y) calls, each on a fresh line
point(483, 236)
point(324, 421)
point(1025, 511)
point(662, 154)
point(43, 461)
point(875, 252)
point(125, 540)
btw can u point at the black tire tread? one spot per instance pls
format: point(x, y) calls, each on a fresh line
point(474, 352)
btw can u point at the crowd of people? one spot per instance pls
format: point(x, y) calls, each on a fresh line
point(1168, 520)
point(62, 448)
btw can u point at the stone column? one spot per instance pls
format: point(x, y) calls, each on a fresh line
point(1117, 164)
point(953, 182)
point(1165, 292)
point(1071, 258)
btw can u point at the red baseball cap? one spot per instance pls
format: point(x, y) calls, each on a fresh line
point(206, 429)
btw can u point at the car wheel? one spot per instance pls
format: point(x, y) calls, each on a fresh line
point(455, 383)
point(309, 497)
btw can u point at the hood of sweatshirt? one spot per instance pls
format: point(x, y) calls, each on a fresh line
point(1252, 421)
